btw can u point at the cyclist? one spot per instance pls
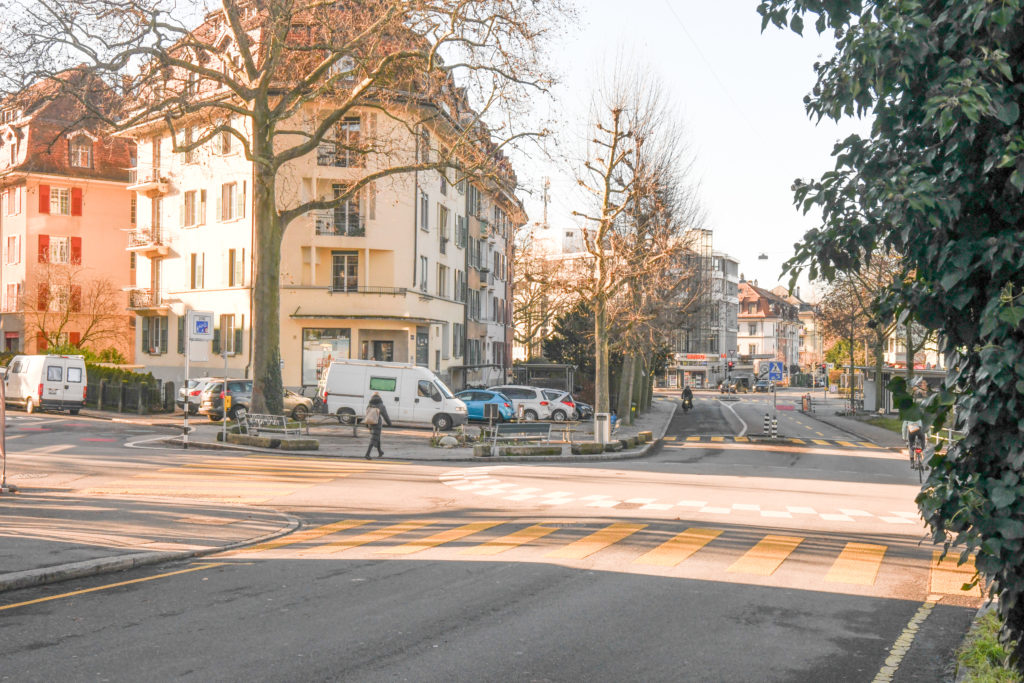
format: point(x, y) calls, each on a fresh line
point(913, 432)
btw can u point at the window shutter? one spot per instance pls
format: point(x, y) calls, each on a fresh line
point(76, 201)
point(145, 335)
point(181, 214)
point(218, 213)
point(202, 269)
point(44, 248)
point(240, 202)
point(216, 335)
point(239, 262)
point(238, 335)
point(373, 201)
point(41, 344)
point(228, 265)
point(75, 338)
point(76, 250)
point(75, 303)
point(163, 335)
point(43, 298)
point(201, 217)
point(17, 249)
point(181, 334)
point(44, 199)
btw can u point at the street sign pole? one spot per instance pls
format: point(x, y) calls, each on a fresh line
point(188, 352)
point(4, 486)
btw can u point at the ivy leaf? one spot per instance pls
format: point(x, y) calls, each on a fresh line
point(1012, 315)
point(1008, 112)
point(1010, 528)
point(1002, 497)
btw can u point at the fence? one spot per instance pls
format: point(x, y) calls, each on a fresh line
point(131, 397)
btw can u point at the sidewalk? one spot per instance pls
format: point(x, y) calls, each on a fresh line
point(825, 410)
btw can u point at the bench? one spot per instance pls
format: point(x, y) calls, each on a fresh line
point(521, 431)
point(254, 423)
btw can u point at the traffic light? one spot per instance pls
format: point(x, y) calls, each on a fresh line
point(730, 367)
point(824, 368)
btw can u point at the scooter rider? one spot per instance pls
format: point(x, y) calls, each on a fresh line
point(687, 396)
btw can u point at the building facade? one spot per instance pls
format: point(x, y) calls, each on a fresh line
point(769, 329)
point(64, 220)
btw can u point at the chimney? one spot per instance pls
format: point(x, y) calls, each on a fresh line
point(755, 283)
point(797, 292)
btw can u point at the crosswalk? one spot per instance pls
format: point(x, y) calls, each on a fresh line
point(789, 441)
point(252, 479)
point(737, 554)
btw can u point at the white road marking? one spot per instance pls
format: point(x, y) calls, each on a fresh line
point(836, 518)
point(656, 506)
point(717, 511)
point(855, 513)
point(776, 513)
point(746, 506)
point(603, 504)
point(796, 510)
point(641, 501)
point(896, 520)
point(692, 503)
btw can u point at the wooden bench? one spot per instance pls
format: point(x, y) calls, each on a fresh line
point(521, 431)
point(254, 423)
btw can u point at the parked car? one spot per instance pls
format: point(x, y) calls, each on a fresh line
point(194, 390)
point(412, 394)
point(763, 386)
point(535, 404)
point(46, 382)
point(585, 410)
point(563, 407)
point(476, 399)
point(211, 401)
point(727, 388)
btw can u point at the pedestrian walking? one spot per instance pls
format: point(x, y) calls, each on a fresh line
point(375, 418)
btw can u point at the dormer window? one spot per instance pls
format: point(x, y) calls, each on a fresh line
point(81, 152)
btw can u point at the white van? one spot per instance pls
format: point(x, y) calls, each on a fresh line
point(46, 383)
point(412, 394)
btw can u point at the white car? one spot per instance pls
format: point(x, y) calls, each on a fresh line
point(563, 407)
point(535, 405)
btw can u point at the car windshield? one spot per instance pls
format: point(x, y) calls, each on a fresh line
point(443, 389)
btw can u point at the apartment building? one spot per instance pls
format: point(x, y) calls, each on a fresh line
point(812, 342)
point(64, 220)
point(769, 328)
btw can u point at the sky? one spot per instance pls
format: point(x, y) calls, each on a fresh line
point(739, 94)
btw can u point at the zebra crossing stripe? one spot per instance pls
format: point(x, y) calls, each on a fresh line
point(765, 557)
point(306, 535)
point(675, 550)
point(377, 535)
point(948, 577)
point(439, 538)
point(858, 563)
point(513, 540)
point(598, 540)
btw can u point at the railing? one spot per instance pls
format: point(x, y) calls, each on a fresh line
point(327, 154)
point(325, 225)
point(143, 238)
point(143, 298)
point(388, 291)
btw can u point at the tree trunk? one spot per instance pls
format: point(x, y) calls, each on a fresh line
point(853, 351)
point(910, 355)
point(268, 389)
point(626, 389)
point(601, 402)
point(879, 365)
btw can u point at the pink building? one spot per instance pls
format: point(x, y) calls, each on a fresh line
point(64, 221)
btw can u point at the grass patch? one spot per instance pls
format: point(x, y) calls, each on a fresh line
point(983, 656)
point(893, 424)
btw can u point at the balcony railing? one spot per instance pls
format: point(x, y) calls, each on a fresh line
point(327, 154)
point(149, 181)
point(140, 239)
point(144, 298)
point(384, 291)
point(326, 225)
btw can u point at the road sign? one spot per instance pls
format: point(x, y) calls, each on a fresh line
point(200, 325)
point(775, 371)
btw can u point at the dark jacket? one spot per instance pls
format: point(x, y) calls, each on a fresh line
point(379, 403)
point(687, 393)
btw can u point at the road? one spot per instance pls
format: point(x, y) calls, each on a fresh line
point(711, 560)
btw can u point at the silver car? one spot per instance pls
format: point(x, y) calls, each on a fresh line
point(535, 405)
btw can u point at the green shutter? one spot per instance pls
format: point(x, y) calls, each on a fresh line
point(238, 340)
point(181, 334)
point(216, 336)
point(163, 335)
point(145, 335)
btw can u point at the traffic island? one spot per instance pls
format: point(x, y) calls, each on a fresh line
point(586, 448)
point(299, 445)
point(645, 437)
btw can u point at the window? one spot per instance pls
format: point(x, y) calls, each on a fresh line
point(224, 141)
point(460, 231)
point(13, 249)
point(191, 209)
point(424, 211)
point(81, 152)
point(133, 211)
point(60, 250)
point(427, 389)
point(345, 271)
point(227, 335)
point(321, 346)
point(458, 338)
point(13, 297)
point(344, 67)
point(348, 143)
point(442, 281)
point(460, 286)
point(347, 220)
point(198, 261)
point(424, 264)
point(13, 197)
point(383, 383)
point(442, 226)
point(444, 184)
point(154, 335)
point(54, 373)
point(425, 146)
point(75, 375)
point(235, 272)
point(752, 329)
point(60, 201)
point(232, 201)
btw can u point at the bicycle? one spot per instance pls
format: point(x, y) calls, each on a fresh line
point(916, 450)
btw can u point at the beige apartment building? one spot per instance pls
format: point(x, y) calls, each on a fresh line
point(415, 270)
point(64, 220)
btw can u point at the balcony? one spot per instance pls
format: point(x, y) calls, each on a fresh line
point(328, 154)
point(148, 243)
point(148, 182)
point(380, 291)
point(146, 301)
point(325, 223)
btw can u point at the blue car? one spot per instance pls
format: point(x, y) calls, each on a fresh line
point(476, 398)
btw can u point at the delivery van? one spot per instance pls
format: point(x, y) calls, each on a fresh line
point(46, 382)
point(412, 394)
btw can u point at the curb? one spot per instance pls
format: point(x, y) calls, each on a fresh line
point(962, 672)
point(30, 578)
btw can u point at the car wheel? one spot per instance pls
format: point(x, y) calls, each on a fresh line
point(233, 414)
point(442, 422)
point(346, 416)
point(559, 416)
point(30, 406)
point(213, 418)
point(300, 413)
point(73, 411)
point(530, 414)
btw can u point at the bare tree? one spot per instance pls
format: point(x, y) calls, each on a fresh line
point(281, 77)
point(543, 291)
point(634, 231)
point(72, 306)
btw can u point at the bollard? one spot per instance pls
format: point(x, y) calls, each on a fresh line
point(143, 391)
point(775, 427)
point(121, 387)
point(767, 421)
point(99, 399)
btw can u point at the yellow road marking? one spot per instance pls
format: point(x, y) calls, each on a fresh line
point(819, 433)
point(596, 541)
point(741, 439)
point(669, 438)
point(718, 439)
point(439, 538)
point(808, 427)
point(902, 645)
point(948, 578)
point(865, 444)
point(378, 535)
point(800, 441)
point(305, 535)
point(858, 563)
point(846, 443)
point(513, 540)
point(208, 565)
point(693, 438)
point(765, 557)
point(820, 442)
point(672, 552)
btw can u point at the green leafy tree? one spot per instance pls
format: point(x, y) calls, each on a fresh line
point(939, 181)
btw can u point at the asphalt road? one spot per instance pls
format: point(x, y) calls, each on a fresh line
point(707, 561)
